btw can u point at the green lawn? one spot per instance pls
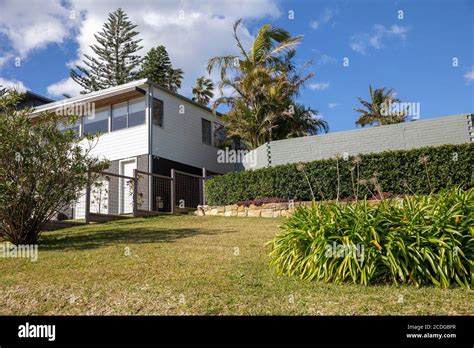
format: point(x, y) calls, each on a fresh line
point(190, 265)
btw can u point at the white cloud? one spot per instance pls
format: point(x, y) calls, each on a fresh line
point(332, 105)
point(18, 85)
point(31, 25)
point(192, 31)
point(469, 76)
point(358, 46)
point(323, 19)
point(326, 59)
point(8, 57)
point(66, 86)
point(318, 86)
point(314, 24)
point(376, 37)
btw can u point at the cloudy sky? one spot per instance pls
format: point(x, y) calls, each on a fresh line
point(422, 49)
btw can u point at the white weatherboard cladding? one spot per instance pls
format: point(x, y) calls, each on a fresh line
point(180, 138)
point(124, 143)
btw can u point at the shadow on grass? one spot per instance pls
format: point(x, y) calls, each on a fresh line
point(104, 235)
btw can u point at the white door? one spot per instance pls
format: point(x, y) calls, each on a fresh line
point(126, 186)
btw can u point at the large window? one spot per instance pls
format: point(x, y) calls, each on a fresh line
point(128, 114)
point(97, 123)
point(119, 116)
point(158, 112)
point(76, 126)
point(136, 112)
point(206, 132)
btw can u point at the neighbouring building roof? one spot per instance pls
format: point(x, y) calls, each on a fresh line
point(32, 99)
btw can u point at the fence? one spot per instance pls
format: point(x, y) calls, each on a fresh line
point(457, 129)
point(154, 193)
point(114, 196)
point(189, 189)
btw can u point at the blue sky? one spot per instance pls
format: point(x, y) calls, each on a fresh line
point(414, 55)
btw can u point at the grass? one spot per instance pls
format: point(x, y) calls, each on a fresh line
point(187, 265)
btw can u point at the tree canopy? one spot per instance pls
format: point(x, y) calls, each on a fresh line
point(116, 61)
point(157, 67)
point(265, 84)
point(377, 111)
point(42, 168)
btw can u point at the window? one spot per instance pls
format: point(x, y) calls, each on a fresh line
point(97, 122)
point(75, 126)
point(158, 112)
point(219, 134)
point(136, 112)
point(206, 132)
point(119, 116)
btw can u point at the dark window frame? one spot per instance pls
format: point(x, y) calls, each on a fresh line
point(161, 110)
point(203, 135)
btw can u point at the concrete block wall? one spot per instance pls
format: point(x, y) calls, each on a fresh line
point(455, 129)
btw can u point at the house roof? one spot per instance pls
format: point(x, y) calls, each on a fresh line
point(111, 94)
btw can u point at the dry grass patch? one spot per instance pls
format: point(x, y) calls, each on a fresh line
point(190, 265)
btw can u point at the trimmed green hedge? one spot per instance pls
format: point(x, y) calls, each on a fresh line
point(397, 172)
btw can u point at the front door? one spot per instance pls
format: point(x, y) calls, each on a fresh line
point(126, 186)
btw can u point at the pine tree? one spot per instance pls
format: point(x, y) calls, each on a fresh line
point(115, 61)
point(157, 67)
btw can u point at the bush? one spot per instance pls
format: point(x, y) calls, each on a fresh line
point(418, 171)
point(42, 169)
point(418, 240)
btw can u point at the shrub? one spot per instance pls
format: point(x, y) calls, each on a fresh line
point(417, 240)
point(421, 171)
point(42, 169)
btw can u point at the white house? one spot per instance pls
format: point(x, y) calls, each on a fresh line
point(146, 127)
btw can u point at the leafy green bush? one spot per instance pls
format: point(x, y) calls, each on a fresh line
point(422, 171)
point(43, 170)
point(418, 240)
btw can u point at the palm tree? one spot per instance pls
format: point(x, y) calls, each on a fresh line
point(302, 121)
point(264, 84)
point(271, 48)
point(377, 110)
point(175, 77)
point(203, 91)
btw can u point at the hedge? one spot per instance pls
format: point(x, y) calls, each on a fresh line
point(420, 171)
